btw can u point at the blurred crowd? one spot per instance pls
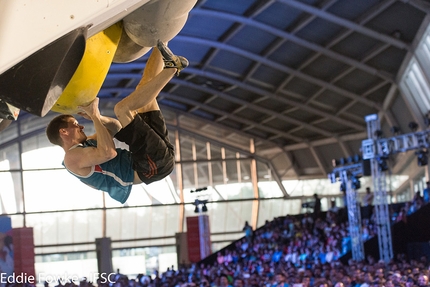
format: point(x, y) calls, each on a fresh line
point(294, 251)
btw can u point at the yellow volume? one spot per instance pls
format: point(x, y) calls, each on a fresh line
point(91, 72)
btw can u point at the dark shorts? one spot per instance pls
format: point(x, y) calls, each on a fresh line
point(152, 153)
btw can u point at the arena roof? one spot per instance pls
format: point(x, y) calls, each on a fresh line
point(298, 77)
point(295, 76)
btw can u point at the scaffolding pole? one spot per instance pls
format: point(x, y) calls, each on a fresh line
point(354, 218)
point(378, 164)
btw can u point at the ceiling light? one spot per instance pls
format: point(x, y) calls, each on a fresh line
point(422, 158)
point(413, 126)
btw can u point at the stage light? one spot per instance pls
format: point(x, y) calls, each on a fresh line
point(413, 126)
point(334, 162)
point(422, 158)
point(382, 164)
point(378, 133)
point(196, 210)
point(355, 182)
point(427, 119)
point(332, 177)
point(204, 208)
point(395, 130)
point(357, 158)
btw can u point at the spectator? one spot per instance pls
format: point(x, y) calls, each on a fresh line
point(426, 193)
point(238, 282)
point(248, 230)
point(410, 282)
point(417, 202)
point(317, 207)
point(423, 280)
point(223, 281)
point(280, 280)
point(368, 280)
point(308, 257)
point(204, 282)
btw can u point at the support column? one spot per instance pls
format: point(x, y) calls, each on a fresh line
point(254, 179)
point(104, 255)
point(23, 251)
point(198, 238)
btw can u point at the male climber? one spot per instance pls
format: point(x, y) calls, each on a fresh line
point(96, 161)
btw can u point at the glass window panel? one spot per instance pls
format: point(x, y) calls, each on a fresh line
point(29, 124)
point(141, 243)
point(10, 158)
point(124, 224)
point(245, 170)
point(230, 154)
point(201, 150)
point(235, 191)
point(17, 221)
point(36, 142)
point(172, 137)
point(226, 238)
point(419, 82)
point(158, 222)
point(233, 171)
point(188, 175)
point(263, 172)
point(309, 187)
point(423, 53)
point(269, 189)
point(139, 196)
point(174, 181)
point(269, 209)
point(64, 251)
point(203, 179)
point(404, 196)
point(143, 222)
point(186, 147)
point(66, 228)
point(114, 222)
point(9, 134)
point(43, 158)
point(129, 262)
point(215, 152)
point(426, 45)
point(209, 194)
point(225, 216)
point(159, 192)
point(197, 175)
point(417, 85)
point(58, 190)
point(65, 248)
point(217, 246)
point(66, 267)
point(86, 225)
point(217, 172)
point(10, 192)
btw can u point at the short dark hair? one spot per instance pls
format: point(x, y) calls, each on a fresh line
point(239, 279)
point(53, 128)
